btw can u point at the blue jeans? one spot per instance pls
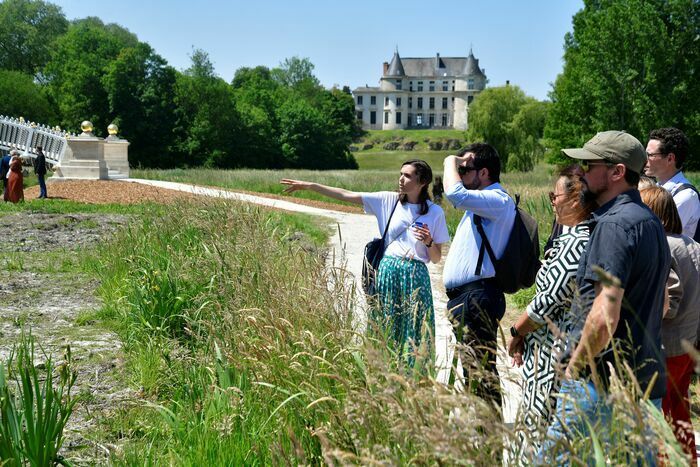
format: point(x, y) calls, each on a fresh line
point(42, 185)
point(581, 407)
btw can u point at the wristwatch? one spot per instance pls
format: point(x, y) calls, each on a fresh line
point(514, 332)
point(430, 244)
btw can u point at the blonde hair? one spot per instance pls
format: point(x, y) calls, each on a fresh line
point(661, 203)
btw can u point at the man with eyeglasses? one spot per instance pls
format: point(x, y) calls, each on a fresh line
point(667, 150)
point(616, 320)
point(476, 303)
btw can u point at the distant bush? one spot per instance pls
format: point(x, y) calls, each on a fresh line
point(453, 144)
point(391, 146)
point(409, 145)
point(367, 147)
point(353, 148)
point(435, 145)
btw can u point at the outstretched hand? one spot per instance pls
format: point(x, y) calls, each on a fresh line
point(294, 185)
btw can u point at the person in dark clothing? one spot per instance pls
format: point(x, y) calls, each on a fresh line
point(40, 170)
point(438, 190)
point(5, 169)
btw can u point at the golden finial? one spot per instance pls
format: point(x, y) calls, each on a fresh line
point(112, 129)
point(86, 126)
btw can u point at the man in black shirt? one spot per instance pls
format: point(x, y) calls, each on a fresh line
point(40, 170)
point(621, 279)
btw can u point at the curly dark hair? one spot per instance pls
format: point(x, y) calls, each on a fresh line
point(673, 141)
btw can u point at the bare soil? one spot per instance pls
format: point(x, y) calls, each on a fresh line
point(43, 292)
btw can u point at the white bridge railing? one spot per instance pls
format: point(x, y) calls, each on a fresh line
point(25, 137)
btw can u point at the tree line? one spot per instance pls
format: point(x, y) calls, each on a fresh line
point(61, 72)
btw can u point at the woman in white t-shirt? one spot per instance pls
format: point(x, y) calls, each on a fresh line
point(415, 235)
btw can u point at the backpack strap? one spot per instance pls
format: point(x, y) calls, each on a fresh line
point(485, 244)
point(684, 186)
point(386, 229)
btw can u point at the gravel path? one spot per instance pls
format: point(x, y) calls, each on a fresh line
point(348, 241)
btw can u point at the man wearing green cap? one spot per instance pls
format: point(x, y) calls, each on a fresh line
point(621, 279)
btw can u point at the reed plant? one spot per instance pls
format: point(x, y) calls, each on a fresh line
point(35, 406)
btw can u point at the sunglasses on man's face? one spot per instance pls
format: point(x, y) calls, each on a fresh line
point(463, 169)
point(588, 165)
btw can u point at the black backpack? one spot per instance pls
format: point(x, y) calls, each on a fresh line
point(517, 268)
point(688, 186)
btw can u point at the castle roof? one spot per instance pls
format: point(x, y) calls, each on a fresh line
point(395, 67)
point(435, 66)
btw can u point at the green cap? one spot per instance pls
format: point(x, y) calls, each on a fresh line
point(613, 146)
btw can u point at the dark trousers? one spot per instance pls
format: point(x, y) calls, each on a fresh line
point(42, 185)
point(475, 310)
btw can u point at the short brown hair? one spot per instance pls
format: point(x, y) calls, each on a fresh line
point(661, 203)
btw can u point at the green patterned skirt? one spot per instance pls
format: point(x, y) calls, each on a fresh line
point(406, 305)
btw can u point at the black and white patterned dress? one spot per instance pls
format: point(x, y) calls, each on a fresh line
point(555, 290)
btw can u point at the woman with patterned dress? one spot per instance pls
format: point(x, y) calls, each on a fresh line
point(416, 231)
point(536, 340)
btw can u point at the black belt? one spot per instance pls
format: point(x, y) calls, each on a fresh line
point(464, 288)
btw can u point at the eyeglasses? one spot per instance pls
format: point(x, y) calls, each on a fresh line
point(553, 196)
point(652, 154)
point(588, 165)
point(463, 169)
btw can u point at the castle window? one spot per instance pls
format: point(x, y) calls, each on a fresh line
point(410, 103)
point(420, 86)
point(444, 102)
point(359, 100)
point(419, 119)
point(372, 100)
point(386, 117)
point(470, 99)
point(398, 118)
point(399, 84)
point(372, 117)
point(432, 86)
point(359, 114)
point(398, 102)
point(470, 83)
point(432, 103)
point(409, 122)
point(386, 101)
point(444, 85)
point(431, 120)
point(420, 102)
point(444, 119)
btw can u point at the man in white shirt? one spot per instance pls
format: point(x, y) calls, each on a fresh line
point(476, 303)
point(667, 150)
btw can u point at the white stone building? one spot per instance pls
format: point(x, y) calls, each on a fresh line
point(421, 93)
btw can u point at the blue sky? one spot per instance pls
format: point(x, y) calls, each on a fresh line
point(516, 40)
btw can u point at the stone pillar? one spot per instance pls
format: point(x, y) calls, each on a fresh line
point(116, 156)
point(83, 158)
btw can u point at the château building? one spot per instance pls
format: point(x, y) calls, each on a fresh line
point(432, 92)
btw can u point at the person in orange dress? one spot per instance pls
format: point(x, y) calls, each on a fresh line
point(15, 182)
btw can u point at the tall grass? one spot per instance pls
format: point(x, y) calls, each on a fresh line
point(33, 410)
point(246, 349)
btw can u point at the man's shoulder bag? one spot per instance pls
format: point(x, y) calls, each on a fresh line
point(517, 268)
point(374, 252)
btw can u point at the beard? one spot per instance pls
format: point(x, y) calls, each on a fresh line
point(589, 195)
point(474, 185)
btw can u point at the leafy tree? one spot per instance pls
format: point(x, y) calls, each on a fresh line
point(207, 119)
point(77, 67)
point(511, 121)
point(141, 90)
point(28, 29)
point(526, 129)
point(630, 65)
point(21, 96)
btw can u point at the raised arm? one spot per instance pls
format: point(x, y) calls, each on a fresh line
point(330, 191)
